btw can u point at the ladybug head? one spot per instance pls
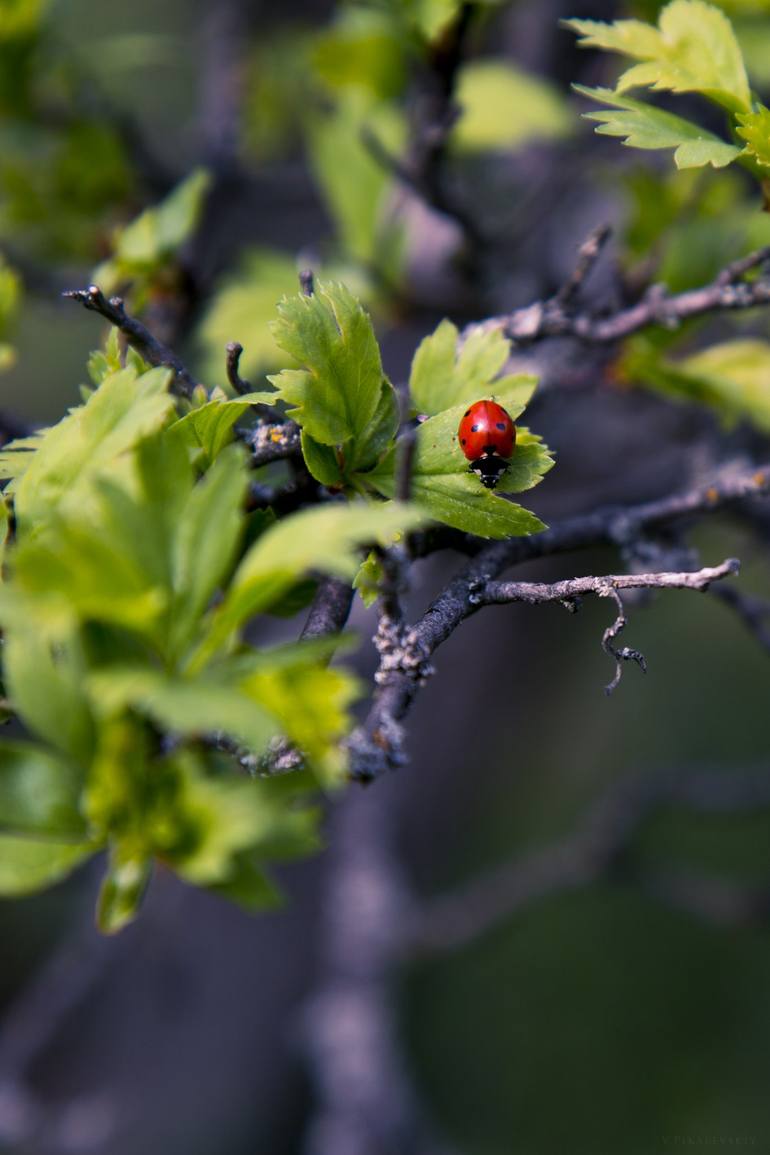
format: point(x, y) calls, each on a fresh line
point(489, 469)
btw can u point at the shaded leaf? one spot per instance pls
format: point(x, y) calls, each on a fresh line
point(326, 539)
point(39, 792)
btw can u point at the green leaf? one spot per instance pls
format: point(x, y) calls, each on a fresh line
point(125, 409)
point(191, 707)
point(354, 184)
point(445, 374)
point(205, 541)
point(326, 539)
point(311, 702)
point(322, 461)
point(693, 50)
point(643, 126)
point(248, 886)
point(504, 107)
point(44, 682)
point(360, 50)
point(212, 822)
point(242, 307)
point(369, 579)
point(27, 865)
point(209, 428)
point(157, 235)
point(39, 792)
point(122, 892)
point(379, 435)
point(337, 393)
point(755, 130)
point(443, 486)
point(100, 561)
point(21, 18)
point(732, 377)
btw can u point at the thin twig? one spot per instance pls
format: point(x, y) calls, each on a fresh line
point(555, 318)
point(137, 335)
point(377, 745)
point(568, 592)
point(588, 254)
point(233, 361)
point(753, 611)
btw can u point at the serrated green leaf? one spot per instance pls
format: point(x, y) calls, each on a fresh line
point(459, 500)
point(205, 540)
point(39, 793)
point(157, 234)
point(643, 126)
point(27, 865)
point(322, 462)
point(693, 49)
point(503, 107)
point(122, 411)
point(209, 428)
point(445, 374)
point(369, 579)
point(445, 489)
point(325, 539)
point(378, 436)
point(754, 128)
point(44, 683)
point(337, 393)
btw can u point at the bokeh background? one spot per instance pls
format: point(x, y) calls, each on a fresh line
point(593, 1020)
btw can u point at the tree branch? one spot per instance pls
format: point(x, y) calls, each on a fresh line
point(555, 317)
point(377, 745)
point(137, 335)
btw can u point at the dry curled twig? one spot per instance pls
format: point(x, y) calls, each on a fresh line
point(377, 745)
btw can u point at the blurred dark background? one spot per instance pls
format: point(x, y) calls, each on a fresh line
point(593, 1020)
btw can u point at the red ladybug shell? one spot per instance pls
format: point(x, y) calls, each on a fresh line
point(486, 430)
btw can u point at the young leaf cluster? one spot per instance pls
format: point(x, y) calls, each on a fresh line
point(129, 577)
point(693, 49)
point(348, 412)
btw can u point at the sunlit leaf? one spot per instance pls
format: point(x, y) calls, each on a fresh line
point(642, 126)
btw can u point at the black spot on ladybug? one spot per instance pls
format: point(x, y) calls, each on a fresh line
point(500, 425)
point(462, 442)
point(475, 428)
point(467, 411)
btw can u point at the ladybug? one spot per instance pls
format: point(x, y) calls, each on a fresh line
point(487, 437)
